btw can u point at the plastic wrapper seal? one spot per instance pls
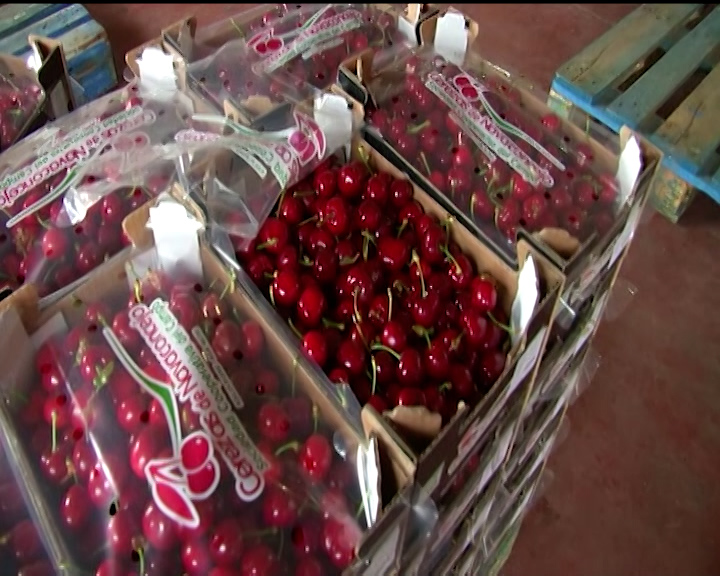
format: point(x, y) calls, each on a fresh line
point(171, 429)
point(493, 151)
point(292, 51)
point(65, 189)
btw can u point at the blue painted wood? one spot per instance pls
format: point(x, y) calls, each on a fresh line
point(87, 50)
point(636, 107)
point(649, 92)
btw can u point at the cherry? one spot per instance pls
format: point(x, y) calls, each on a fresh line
point(410, 367)
point(311, 306)
point(226, 342)
point(401, 192)
point(492, 364)
point(394, 253)
point(148, 444)
point(196, 558)
point(314, 346)
point(351, 179)
point(83, 461)
point(273, 422)
point(339, 539)
point(259, 561)
point(316, 457)
point(132, 413)
point(309, 566)
point(158, 529)
point(436, 359)
point(483, 294)
point(54, 464)
point(351, 356)
point(279, 508)
point(336, 217)
point(120, 531)
point(394, 336)
point(252, 341)
point(305, 537)
point(38, 568)
point(426, 309)
point(325, 266)
point(226, 543)
point(75, 508)
point(325, 183)
point(377, 189)
point(461, 380)
point(411, 397)
point(475, 327)
point(54, 244)
point(25, 542)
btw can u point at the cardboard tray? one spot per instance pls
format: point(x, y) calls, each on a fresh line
point(23, 318)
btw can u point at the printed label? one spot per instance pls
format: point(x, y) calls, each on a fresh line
point(461, 94)
point(75, 147)
point(276, 50)
point(192, 472)
point(285, 154)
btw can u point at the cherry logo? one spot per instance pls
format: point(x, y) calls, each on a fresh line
point(466, 86)
point(265, 43)
point(179, 481)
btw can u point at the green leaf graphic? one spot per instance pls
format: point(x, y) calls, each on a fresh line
point(157, 389)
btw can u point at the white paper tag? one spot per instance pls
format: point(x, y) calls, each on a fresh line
point(525, 301)
point(629, 167)
point(451, 37)
point(627, 234)
point(335, 118)
point(176, 239)
point(369, 477)
point(157, 73)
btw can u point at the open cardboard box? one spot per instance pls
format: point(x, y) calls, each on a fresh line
point(360, 78)
point(437, 456)
point(188, 45)
point(24, 325)
point(52, 76)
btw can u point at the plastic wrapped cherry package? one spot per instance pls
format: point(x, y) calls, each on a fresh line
point(170, 428)
point(492, 151)
point(384, 292)
point(21, 546)
point(292, 51)
point(21, 95)
point(112, 146)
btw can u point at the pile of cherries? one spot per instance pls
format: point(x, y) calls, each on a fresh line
point(20, 97)
point(21, 548)
point(381, 296)
point(92, 430)
point(273, 30)
point(427, 134)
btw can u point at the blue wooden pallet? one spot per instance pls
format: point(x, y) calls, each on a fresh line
point(85, 45)
point(630, 73)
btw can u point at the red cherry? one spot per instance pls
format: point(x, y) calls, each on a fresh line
point(252, 341)
point(273, 422)
point(259, 561)
point(121, 529)
point(226, 543)
point(336, 216)
point(394, 336)
point(279, 508)
point(314, 346)
point(196, 558)
point(483, 294)
point(195, 451)
point(75, 508)
point(148, 444)
point(316, 457)
point(311, 306)
point(339, 539)
point(273, 235)
point(350, 179)
point(159, 530)
point(54, 244)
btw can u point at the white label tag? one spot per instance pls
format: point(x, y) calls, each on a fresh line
point(526, 362)
point(335, 118)
point(525, 301)
point(451, 37)
point(176, 238)
point(629, 167)
point(156, 72)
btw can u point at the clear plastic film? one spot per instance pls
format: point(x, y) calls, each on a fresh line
point(65, 189)
point(492, 149)
point(21, 95)
point(173, 429)
point(292, 51)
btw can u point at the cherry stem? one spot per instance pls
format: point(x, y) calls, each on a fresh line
point(357, 317)
point(450, 258)
point(316, 418)
point(303, 194)
point(402, 227)
point(308, 220)
point(305, 261)
point(416, 260)
point(294, 329)
point(418, 127)
point(425, 162)
point(293, 380)
point(137, 290)
point(141, 558)
point(365, 158)
point(281, 543)
point(71, 470)
point(399, 286)
point(53, 431)
point(237, 28)
point(423, 333)
point(230, 286)
point(445, 386)
point(367, 239)
point(499, 324)
point(259, 533)
point(382, 347)
point(330, 324)
point(455, 342)
point(347, 260)
point(360, 510)
point(373, 362)
point(390, 303)
point(294, 446)
point(269, 244)
point(43, 223)
point(271, 293)
point(280, 201)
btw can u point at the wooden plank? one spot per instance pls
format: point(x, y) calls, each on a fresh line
point(693, 128)
point(654, 87)
point(626, 44)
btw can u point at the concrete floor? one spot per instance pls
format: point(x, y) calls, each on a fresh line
point(635, 490)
